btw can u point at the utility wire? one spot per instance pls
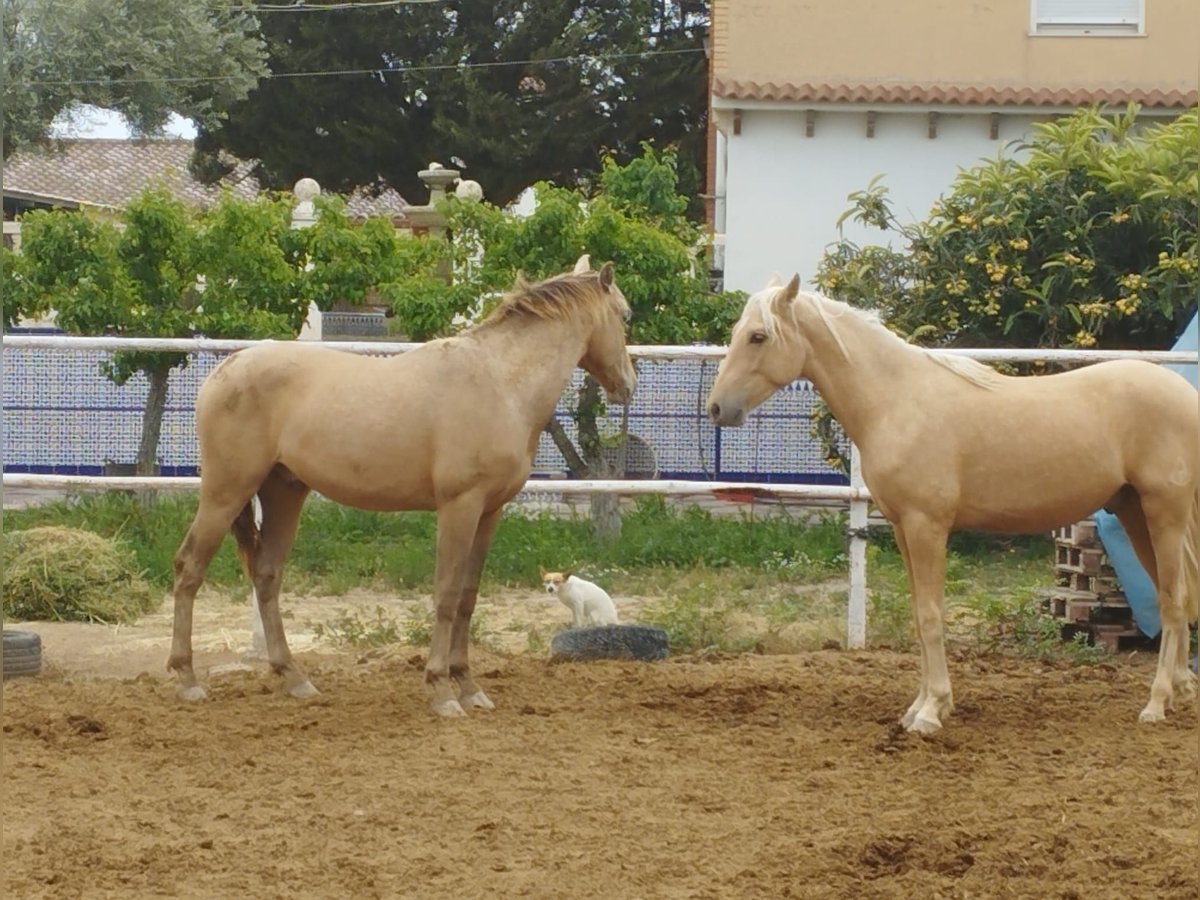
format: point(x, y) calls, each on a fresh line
point(377, 70)
point(323, 7)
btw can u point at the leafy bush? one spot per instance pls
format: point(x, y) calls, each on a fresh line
point(1087, 239)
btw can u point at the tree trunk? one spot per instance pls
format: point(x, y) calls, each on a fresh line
point(606, 508)
point(156, 404)
point(562, 441)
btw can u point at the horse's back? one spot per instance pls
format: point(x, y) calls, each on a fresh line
point(1136, 391)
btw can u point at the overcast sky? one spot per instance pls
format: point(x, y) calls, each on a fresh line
point(101, 123)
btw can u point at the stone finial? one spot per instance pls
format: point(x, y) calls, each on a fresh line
point(468, 190)
point(306, 189)
point(303, 213)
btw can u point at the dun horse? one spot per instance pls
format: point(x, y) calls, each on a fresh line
point(451, 426)
point(949, 443)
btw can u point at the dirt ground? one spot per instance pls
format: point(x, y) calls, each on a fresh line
point(701, 777)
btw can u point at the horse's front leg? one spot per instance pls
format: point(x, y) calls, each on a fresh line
point(469, 693)
point(923, 545)
point(457, 524)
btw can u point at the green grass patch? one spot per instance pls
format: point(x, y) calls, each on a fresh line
point(722, 582)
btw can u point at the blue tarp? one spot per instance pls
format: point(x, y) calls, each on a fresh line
point(1135, 583)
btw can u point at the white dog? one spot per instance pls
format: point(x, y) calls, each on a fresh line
point(589, 603)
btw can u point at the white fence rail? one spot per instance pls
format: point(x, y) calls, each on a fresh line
point(855, 496)
point(651, 352)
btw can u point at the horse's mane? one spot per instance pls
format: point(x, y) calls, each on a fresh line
point(830, 311)
point(559, 297)
point(971, 369)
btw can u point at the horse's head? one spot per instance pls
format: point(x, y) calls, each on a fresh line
point(765, 353)
point(606, 358)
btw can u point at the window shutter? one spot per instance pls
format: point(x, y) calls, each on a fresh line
point(1087, 12)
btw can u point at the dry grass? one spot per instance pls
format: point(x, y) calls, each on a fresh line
point(67, 574)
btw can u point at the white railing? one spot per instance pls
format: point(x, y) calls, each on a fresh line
point(651, 351)
point(855, 496)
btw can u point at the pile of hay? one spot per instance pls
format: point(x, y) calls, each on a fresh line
point(66, 574)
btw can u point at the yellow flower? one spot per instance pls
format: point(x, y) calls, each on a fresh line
point(1085, 339)
point(1119, 216)
point(1128, 305)
point(1019, 244)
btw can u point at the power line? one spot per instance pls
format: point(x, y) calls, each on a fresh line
point(378, 70)
point(324, 7)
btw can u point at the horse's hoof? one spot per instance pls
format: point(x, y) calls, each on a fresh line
point(1186, 687)
point(449, 709)
point(906, 720)
point(924, 726)
point(478, 699)
point(191, 694)
point(1151, 715)
point(304, 690)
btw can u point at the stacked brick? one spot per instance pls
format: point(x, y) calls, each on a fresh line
point(1088, 598)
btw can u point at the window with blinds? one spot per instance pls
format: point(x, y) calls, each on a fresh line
point(1101, 17)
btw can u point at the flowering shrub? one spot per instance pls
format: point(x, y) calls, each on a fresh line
point(1087, 239)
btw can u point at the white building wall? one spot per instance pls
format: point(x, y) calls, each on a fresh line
point(783, 191)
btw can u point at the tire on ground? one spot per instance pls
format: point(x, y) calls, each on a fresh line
point(22, 653)
point(645, 642)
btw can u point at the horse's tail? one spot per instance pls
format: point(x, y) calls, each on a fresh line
point(248, 534)
point(1191, 560)
point(248, 537)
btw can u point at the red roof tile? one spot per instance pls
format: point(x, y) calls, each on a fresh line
point(939, 94)
point(110, 172)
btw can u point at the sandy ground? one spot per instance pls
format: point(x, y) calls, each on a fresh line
point(701, 777)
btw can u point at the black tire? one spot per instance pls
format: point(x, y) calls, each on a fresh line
point(22, 654)
point(644, 642)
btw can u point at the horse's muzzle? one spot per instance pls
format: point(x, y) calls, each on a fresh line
point(621, 393)
point(725, 417)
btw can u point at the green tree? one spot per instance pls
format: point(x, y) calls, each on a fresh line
point(1089, 238)
point(142, 58)
point(232, 271)
point(524, 91)
point(634, 218)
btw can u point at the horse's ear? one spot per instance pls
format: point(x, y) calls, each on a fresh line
point(606, 275)
point(583, 264)
point(791, 289)
point(774, 280)
point(541, 572)
point(566, 574)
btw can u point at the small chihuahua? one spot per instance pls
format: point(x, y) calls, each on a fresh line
point(589, 603)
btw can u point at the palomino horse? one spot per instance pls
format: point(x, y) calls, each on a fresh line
point(949, 443)
point(451, 426)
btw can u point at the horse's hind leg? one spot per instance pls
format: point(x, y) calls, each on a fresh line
point(469, 693)
point(1165, 520)
point(1128, 509)
point(204, 536)
point(281, 497)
